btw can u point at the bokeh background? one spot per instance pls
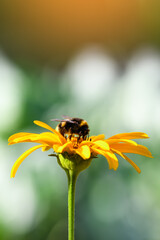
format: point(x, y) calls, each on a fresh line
point(97, 60)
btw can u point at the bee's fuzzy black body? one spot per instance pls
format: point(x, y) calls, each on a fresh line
point(73, 127)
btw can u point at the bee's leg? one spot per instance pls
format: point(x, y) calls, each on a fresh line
point(70, 136)
point(84, 137)
point(65, 136)
point(78, 139)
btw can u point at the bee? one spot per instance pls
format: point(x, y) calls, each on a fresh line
point(73, 128)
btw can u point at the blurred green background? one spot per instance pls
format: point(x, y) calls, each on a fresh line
point(97, 60)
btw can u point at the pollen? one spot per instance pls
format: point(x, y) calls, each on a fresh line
point(75, 139)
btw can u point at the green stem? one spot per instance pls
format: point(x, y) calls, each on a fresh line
point(72, 176)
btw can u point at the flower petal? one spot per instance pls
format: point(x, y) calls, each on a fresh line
point(45, 138)
point(102, 144)
point(25, 138)
point(98, 137)
point(45, 148)
point(43, 125)
point(132, 163)
point(126, 148)
point(48, 138)
point(55, 147)
point(17, 135)
point(64, 147)
point(86, 142)
point(99, 151)
point(21, 158)
point(128, 159)
point(84, 152)
point(118, 140)
point(46, 126)
point(111, 158)
point(132, 135)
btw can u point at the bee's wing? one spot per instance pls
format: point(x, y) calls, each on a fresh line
point(66, 117)
point(65, 120)
point(56, 120)
point(68, 120)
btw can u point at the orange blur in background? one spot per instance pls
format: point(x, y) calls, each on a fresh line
point(49, 32)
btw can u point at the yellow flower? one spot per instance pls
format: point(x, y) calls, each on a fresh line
point(86, 149)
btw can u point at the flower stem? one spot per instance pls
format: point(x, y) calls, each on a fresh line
point(72, 176)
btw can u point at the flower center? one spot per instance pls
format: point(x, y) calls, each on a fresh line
point(76, 139)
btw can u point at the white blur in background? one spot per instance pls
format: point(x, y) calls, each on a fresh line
point(11, 94)
point(92, 75)
point(18, 199)
point(127, 101)
point(141, 91)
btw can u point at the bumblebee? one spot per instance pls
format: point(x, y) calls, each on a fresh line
point(73, 128)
